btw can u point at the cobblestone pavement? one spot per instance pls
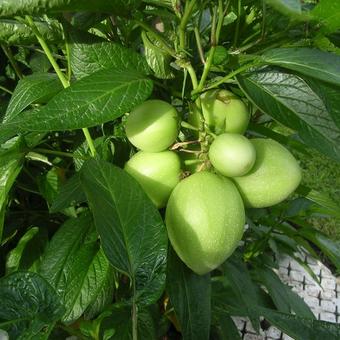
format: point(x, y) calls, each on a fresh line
point(324, 301)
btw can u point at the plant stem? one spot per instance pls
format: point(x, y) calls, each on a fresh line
point(9, 55)
point(188, 126)
point(60, 75)
point(57, 153)
point(232, 74)
point(157, 36)
point(192, 74)
point(199, 45)
point(189, 6)
point(237, 29)
point(134, 316)
point(5, 90)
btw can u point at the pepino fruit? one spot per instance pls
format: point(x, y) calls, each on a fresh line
point(158, 173)
point(205, 220)
point(274, 176)
point(224, 112)
point(232, 154)
point(152, 126)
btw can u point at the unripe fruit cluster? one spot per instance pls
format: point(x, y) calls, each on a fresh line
point(205, 212)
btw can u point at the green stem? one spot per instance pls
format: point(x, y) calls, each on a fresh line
point(69, 70)
point(199, 45)
point(5, 90)
point(157, 36)
point(192, 74)
point(134, 317)
point(60, 75)
point(193, 161)
point(57, 153)
point(237, 29)
point(231, 75)
point(9, 55)
point(188, 126)
point(189, 6)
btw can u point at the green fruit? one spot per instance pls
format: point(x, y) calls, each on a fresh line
point(224, 112)
point(158, 173)
point(232, 154)
point(205, 220)
point(274, 176)
point(152, 126)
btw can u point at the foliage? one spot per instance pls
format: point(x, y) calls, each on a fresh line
point(84, 251)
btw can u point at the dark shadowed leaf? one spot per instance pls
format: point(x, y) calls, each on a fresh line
point(314, 63)
point(289, 7)
point(75, 266)
point(30, 304)
point(190, 294)
point(290, 100)
point(224, 327)
point(89, 54)
point(133, 235)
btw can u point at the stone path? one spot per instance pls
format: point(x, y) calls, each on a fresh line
point(324, 301)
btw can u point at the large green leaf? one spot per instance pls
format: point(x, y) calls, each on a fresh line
point(292, 8)
point(89, 54)
point(132, 232)
point(283, 297)
point(29, 306)
point(238, 276)
point(328, 13)
point(75, 266)
point(314, 63)
point(11, 161)
point(15, 33)
point(300, 328)
point(24, 7)
point(190, 295)
point(36, 88)
point(93, 100)
point(290, 100)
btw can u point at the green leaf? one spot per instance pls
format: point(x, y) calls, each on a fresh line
point(89, 53)
point(329, 247)
point(70, 193)
point(28, 305)
point(321, 199)
point(11, 161)
point(75, 266)
point(283, 297)
point(288, 99)
point(24, 7)
point(36, 88)
point(93, 100)
point(190, 295)
point(224, 327)
point(133, 235)
point(314, 63)
point(300, 328)
point(157, 59)
point(237, 274)
point(26, 255)
point(289, 7)
point(328, 13)
point(15, 33)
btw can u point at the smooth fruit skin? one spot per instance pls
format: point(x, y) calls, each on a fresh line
point(274, 176)
point(152, 126)
point(205, 220)
point(232, 154)
point(224, 112)
point(158, 173)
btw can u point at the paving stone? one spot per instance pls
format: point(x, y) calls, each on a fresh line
point(337, 303)
point(3, 335)
point(296, 286)
point(251, 336)
point(328, 283)
point(296, 275)
point(284, 261)
point(286, 337)
point(330, 317)
point(295, 266)
point(249, 327)
point(327, 294)
point(312, 301)
point(273, 332)
point(311, 260)
point(315, 268)
point(325, 272)
point(328, 306)
point(312, 290)
point(283, 270)
point(239, 322)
